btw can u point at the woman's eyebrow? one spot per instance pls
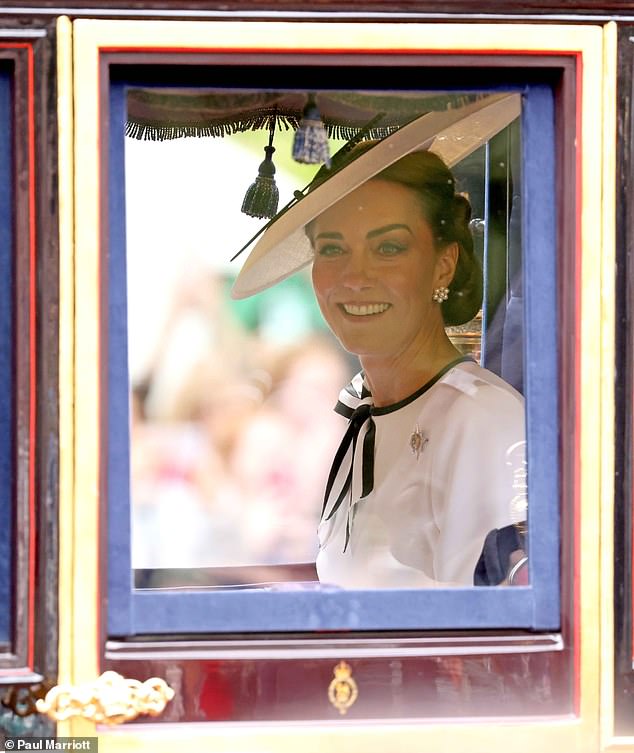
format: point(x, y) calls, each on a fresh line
point(370, 234)
point(387, 229)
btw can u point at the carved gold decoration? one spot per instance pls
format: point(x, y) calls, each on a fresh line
point(342, 691)
point(111, 699)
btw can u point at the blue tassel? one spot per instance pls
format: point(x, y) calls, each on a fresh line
point(262, 196)
point(310, 144)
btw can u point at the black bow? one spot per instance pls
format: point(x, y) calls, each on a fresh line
point(358, 418)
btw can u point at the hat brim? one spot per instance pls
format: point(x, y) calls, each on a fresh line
point(284, 248)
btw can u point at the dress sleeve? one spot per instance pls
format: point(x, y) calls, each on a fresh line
point(479, 478)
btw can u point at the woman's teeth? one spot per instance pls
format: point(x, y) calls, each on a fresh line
point(365, 309)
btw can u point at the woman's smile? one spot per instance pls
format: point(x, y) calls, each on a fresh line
point(364, 309)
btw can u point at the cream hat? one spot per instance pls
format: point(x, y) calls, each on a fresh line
point(284, 248)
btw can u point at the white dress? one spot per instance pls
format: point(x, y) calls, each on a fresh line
point(447, 466)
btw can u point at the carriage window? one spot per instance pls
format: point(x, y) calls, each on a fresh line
point(244, 483)
point(233, 432)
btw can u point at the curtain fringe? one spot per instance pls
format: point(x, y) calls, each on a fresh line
point(154, 132)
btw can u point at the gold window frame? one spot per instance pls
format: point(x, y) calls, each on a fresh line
point(80, 45)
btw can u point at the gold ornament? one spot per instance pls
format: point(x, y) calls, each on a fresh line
point(342, 691)
point(111, 699)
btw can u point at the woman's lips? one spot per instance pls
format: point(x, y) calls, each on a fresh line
point(364, 309)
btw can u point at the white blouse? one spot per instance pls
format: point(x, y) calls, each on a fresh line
point(448, 466)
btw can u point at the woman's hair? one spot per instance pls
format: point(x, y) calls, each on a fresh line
point(448, 215)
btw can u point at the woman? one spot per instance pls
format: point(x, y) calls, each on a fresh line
point(434, 450)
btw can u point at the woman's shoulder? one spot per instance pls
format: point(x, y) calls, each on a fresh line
point(474, 381)
point(476, 409)
point(473, 396)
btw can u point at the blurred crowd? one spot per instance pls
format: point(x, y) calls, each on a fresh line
point(232, 427)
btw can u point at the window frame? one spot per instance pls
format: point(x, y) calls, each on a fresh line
point(534, 607)
point(94, 40)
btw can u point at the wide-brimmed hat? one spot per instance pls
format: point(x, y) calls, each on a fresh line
point(283, 248)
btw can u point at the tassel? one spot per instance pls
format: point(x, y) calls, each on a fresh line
point(262, 196)
point(310, 144)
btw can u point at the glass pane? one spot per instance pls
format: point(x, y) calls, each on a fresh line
point(233, 432)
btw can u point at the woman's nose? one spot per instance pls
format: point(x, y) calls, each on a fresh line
point(357, 272)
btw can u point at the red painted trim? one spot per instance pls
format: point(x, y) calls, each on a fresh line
point(32, 339)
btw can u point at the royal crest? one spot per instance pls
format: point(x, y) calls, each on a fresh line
point(342, 691)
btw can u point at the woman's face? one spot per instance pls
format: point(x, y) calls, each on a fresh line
point(375, 270)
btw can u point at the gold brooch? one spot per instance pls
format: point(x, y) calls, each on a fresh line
point(342, 691)
point(417, 442)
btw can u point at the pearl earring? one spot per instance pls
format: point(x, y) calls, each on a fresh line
point(440, 294)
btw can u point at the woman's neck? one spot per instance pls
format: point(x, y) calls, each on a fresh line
point(394, 379)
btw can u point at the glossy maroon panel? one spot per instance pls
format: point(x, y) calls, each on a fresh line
point(530, 682)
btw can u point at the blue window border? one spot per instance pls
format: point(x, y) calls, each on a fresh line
point(535, 607)
point(7, 357)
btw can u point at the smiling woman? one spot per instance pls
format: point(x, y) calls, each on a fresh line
point(375, 281)
point(414, 489)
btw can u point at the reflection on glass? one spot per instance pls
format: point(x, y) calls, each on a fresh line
point(233, 432)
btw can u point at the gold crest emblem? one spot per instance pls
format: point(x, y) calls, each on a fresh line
point(342, 691)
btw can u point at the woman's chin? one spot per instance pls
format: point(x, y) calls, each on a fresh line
point(367, 346)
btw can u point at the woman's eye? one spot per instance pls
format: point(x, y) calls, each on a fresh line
point(390, 248)
point(329, 250)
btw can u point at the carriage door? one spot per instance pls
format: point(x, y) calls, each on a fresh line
point(196, 432)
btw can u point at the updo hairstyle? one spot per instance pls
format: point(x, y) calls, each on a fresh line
point(448, 215)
